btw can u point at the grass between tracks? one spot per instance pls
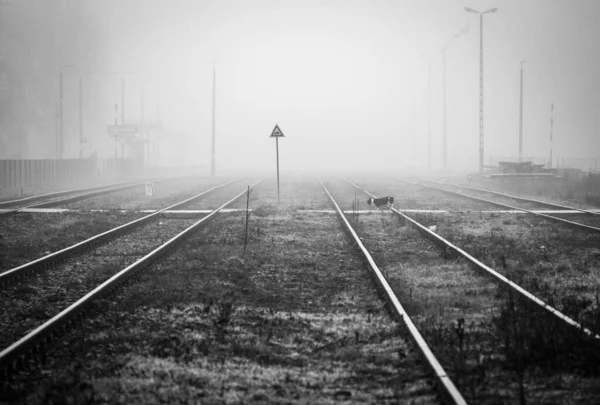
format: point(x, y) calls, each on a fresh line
point(495, 346)
point(295, 320)
point(571, 189)
point(28, 236)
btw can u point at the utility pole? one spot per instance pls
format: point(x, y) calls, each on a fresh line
point(413, 132)
point(212, 160)
point(57, 143)
point(61, 115)
point(551, 130)
point(521, 117)
point(80, 117)
point(444, 119)
point(444, 98)
point(57, 129)
point(116, 142)
point(429, 117)
point(481, 93)
point(470, 10)
point(123, 100)
point(145, 134)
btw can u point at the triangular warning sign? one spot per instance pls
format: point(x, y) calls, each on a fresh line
point(276, 132)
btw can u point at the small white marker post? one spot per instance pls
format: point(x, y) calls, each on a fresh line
point(150, 189)
point(277, 134)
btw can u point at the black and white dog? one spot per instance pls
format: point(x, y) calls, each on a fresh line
point(383, 202)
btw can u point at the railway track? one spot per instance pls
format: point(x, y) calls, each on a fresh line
point(536, 316)
point(291, 269)
point(438, 240)
point(48, 261)
point(425, 390)
point(447, 387)
point(61, 197)
point(14, 354)
point(515, 208)
point(523, 199)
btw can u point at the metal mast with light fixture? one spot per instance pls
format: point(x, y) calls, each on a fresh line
point(443, 51)
point(471, 10)
point(212, 160)
point(521, 116)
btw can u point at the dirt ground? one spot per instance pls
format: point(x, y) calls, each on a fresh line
point(293, 315)
point(296, 319)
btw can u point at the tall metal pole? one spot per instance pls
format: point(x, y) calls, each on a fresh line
point(145, 134)
point(80, 117)
point(57, 143)
point(413, 131)
point(57, 129)
point(444, 140)
point(551, 130)
point(60, 117)
point(429, 117)
point(116, 142)
point(212, 161)
point(521, 118)
point(480, 93)
point(277, 152)
point(123, 100)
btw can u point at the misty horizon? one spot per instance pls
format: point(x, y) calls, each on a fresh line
point(347, 82)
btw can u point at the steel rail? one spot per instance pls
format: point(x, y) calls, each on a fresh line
point(10, 355)
point(449, 389)
point(514, 197)
point(488, 270)
point(71, 199)
point(47, 261)
point(34, 198)
point(499, 204)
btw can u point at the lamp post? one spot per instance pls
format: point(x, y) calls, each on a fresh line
point(471, 10)
point(445, 139)
point(551, 131)
point(429, 117)
point(212, 160)
point(61, 112)
point(521, 116)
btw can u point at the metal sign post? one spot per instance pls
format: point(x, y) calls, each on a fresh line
point(277, 134)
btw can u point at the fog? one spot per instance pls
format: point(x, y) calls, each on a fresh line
point(346, 81)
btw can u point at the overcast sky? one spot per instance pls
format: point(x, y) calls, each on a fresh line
point(347, 80)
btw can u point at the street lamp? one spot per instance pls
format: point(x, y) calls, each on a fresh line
point(471, 10)
point(443, 51)
point(521, 115)
point(61, 114)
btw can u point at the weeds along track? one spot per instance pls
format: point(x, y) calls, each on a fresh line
point(33, 313)
point(293, 320)
point(525, 200)
point(585, 219)
point(61, 198)
point(558, 264)
point(24, 236)
point(414, 197)
point(498, 342)
point(580, 193)
point(445, 383)
point(165, 192)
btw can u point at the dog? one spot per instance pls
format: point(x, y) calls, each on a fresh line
point(383, 202)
